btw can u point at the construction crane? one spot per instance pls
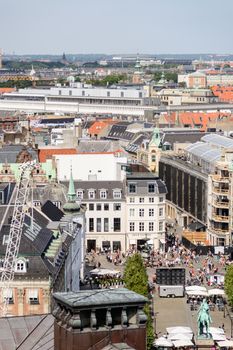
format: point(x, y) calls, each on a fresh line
point(16, 229)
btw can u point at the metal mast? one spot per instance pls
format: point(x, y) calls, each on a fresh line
point(16, 228)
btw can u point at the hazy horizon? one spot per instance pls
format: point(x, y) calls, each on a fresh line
point(116, 27)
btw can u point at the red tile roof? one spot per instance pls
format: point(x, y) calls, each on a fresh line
point(47, 153)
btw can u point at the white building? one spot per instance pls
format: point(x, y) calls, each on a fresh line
point(92, 166)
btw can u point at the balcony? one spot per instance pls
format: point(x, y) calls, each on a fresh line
point(222, 191)
point(219, 178)
point(220, 218)
point(219, 232)
point(219, 204)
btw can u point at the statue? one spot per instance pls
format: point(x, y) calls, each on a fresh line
point(203, 319)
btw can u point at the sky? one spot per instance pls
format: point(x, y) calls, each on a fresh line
point(116, 26)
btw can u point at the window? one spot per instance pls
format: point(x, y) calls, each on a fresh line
point(122, 94)
point(141, 212)
point(116, 245)
point(106, 225)
point(108, 93)
point(151, 226)
point(132, 188)
point(21, 266)
point(98, 206)
point(91, 224)
point(5, 239)
point(98, 224)
point(116, 194)
point(151, 199)
point(141, 226)
point(131, 199)
point(131, 212)
point(33, 296)
point(91, 206)
point(80, 194)
point(70, 92)
point(160, 225)
point(117, 206)
point(8, 295)
point(151, 212)
point(106, 206)
point(151, 188)
point(91, 194)
point(116, 224)
point(141, 200)
point(153, 158)
point(1, 197)
point(83, 93)
point(103, 194)
point(59, 92)
point(131, 226)
point(160, 211)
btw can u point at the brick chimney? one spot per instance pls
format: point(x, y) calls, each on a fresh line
point(94, 319)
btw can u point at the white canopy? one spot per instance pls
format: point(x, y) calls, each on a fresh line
point(216, 330)
point(182, 343)
point(195, 288)
point(163, 342)
point(179, 336)
point(217, 337)
point(179, 329)
point(200, 293)
point(225, 344)
point(216, 292)
point(102, 272)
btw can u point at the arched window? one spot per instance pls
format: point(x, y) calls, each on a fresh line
point(20, 266)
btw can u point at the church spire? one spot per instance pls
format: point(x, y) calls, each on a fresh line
point(71, 191)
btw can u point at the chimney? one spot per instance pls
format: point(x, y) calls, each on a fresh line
point(94, 319)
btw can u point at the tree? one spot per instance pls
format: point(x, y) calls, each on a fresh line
point(136, 279)
point(228, 284)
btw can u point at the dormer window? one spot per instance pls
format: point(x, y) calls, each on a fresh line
point(91, 194)
point(116, 194)
point(132, 188)
point(80, 194)
point(103, 194)
point(151, 188)
point(20, 266)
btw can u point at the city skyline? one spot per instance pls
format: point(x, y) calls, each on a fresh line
point(153, 27)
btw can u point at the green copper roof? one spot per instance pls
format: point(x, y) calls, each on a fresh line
point(155, 140)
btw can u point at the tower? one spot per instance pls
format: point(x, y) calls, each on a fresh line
point(71, 206)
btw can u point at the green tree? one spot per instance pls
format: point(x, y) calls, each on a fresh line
point(136, 279)
point(228, 284)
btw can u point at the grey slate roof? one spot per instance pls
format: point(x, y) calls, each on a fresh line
point(87, 146)
point(99, 185)
point(89, 299)
point(16, 332)
point(142, 180)
point(9, 153)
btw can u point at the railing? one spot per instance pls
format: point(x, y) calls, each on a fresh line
point(220, 204)
point(221, 190)
point(221, 218)
point(220, 178)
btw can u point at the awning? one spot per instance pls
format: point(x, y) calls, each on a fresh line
point(197, 293)
point(179, 336)
point(194, 226)
point(33, 293)
point(163, 343)
point(182, 343)
point(216, 291)
point(179, 329)
point(132, 241)
point(218, 337)
point(196, 288)
point(8, 293)
point(225, 344)
point(216, 330)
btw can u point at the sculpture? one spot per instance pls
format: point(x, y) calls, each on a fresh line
point(203, 319)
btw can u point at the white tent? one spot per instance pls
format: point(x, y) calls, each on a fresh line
point(182, 343)
point(218, 337)
point(103, 272)
point(200, 293)
point(225, 344)
point(163, 342)
point(216, 292)
point(179, 329)
point(216, 330)
point(180, 336)
point(195, 288)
